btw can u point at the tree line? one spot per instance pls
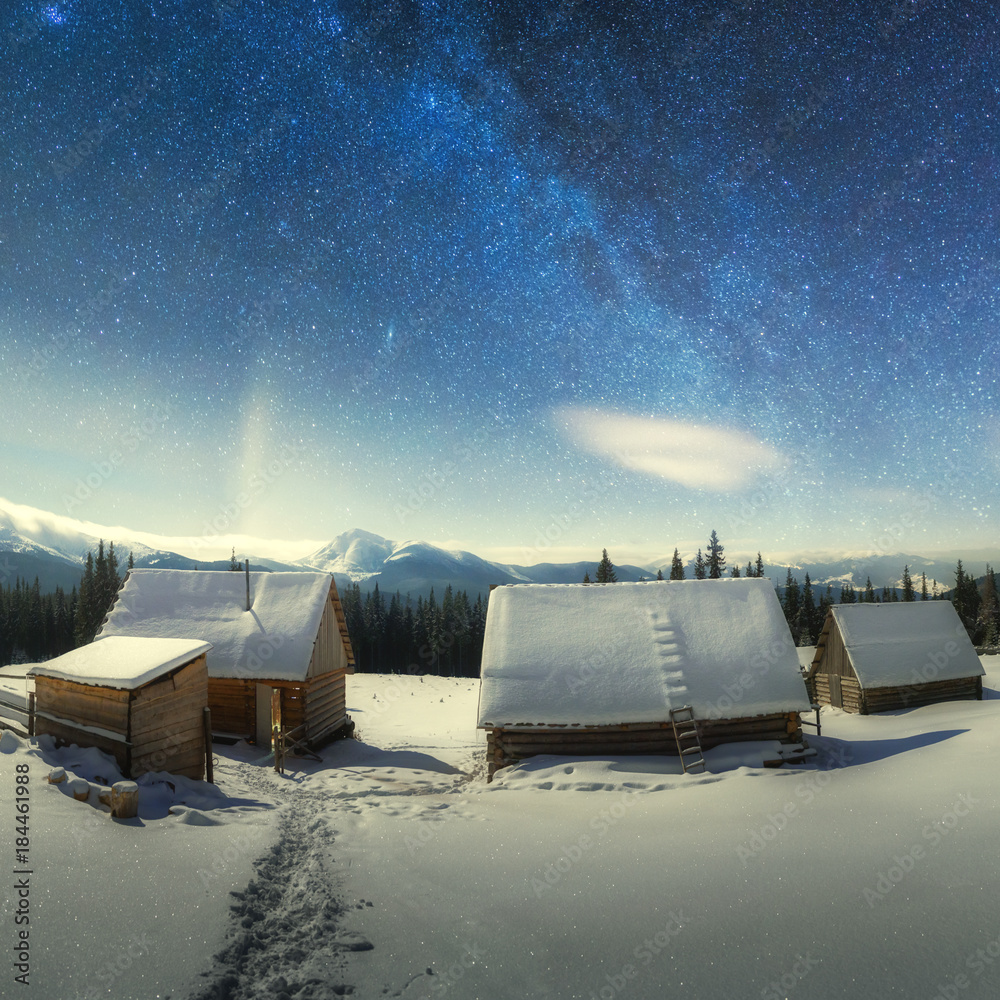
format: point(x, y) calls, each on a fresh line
point(36, 626)
point(805, 610)
point(446, 637)
point(427, 637)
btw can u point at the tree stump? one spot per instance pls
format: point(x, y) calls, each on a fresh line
point(57, 775)
point(124, 799)
point(79, 788)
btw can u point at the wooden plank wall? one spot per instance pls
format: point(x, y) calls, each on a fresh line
point(70, 734)
point(506, 746)
point(85, 705)
point(167, 731)
point(835, 659)
point(328, 648)
point(233, 704)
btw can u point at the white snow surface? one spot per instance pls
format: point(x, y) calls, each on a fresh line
point(391, 869)
point(121, 662)
point(906, 642)
point(573, 654)
point(273, 640)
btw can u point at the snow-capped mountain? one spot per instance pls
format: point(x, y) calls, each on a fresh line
point(51, 546)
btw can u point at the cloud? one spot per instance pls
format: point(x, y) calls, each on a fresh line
point(717, 459)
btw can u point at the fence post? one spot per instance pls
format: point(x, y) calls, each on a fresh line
point(206, 722)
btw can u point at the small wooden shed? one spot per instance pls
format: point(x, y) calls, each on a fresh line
point(280, 649)
point(883, 657)
point(585, 670)
point(141, 700)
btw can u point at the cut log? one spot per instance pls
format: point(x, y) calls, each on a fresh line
point(80, 789)
point(57, 775)
point(124, 799)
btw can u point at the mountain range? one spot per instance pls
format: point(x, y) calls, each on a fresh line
point(53, 548)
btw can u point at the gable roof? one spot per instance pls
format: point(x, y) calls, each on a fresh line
point(904, 643)
point(121, 662)
point(573, 654)
point(272, 641)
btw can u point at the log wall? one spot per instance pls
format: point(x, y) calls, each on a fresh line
point(320, 705)
point(326, 703)
point(505, 746)
point(835, 662)
point(894, 698)
point(233, 703)
point(850, 690)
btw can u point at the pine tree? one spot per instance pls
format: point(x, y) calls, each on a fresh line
point(234, 566)
point(354, 617)
point(586, 577)
point(131, 560)
point(790, 604)
point(85, 613)
point(606, 570)
point(699, 567)
point(373, 614)
point(869, 591)
point(659, 576)
point(716, 557)
point(760, 567)
point(111, 582)
point(848, 595)
point(676, 567)
point(989, 610)
point(923, 586)
point(966, 599)
point(909, 594)
point(825, 603)
point(735, 572)
point(807, 614)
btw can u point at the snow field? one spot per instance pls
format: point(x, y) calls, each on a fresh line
point(391, 869)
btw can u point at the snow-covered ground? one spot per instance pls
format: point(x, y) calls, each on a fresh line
point(393, 869)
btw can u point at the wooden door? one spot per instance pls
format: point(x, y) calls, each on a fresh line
point(836, 694)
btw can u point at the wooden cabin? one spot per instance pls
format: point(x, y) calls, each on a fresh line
point(587, 670)
point(140, 700)
point(883, 657)
point(280, 649)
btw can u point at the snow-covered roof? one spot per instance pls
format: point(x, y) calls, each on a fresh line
point(574, 654)
point(906, 642)
point(272, 641)
point(121, 662)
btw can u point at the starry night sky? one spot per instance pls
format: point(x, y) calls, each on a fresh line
point(533, 279)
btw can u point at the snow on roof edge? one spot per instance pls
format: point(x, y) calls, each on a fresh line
point(125, 663)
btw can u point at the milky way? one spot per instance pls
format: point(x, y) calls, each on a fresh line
point(385, 249)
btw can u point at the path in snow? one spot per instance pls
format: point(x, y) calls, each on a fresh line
point(284, 939)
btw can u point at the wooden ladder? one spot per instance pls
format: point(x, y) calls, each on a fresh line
point(688, 741)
